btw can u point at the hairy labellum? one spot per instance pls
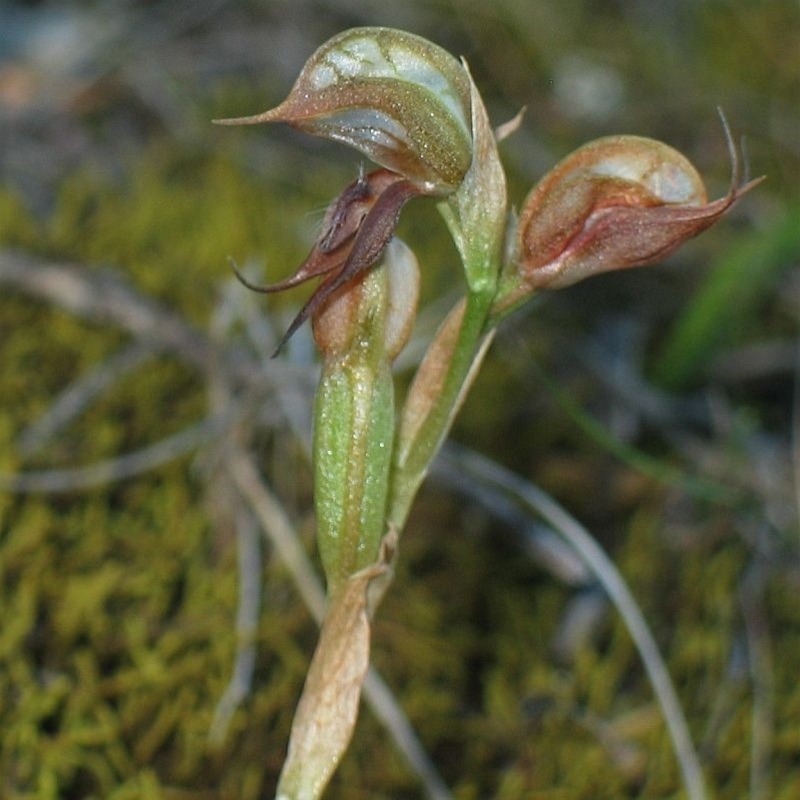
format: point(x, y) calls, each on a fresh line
point(358, 225)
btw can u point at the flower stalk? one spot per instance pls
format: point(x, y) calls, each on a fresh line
point(359, 333)
point(476, 215)
point(414, 110)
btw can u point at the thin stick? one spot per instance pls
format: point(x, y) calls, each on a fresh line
point(71, 403)
point(762, 677)
point(249, 571)
point(475, 467)
point(101, 472)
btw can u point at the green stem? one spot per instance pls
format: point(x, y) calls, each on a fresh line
point(354, 423)
point(413, 458)
point(352, 454)
point(476, 214)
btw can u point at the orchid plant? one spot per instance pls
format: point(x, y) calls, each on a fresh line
point(414, 110)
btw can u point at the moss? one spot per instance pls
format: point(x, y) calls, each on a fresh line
point(18, 227)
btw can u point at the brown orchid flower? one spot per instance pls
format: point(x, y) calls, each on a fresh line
point(406, 104)
point(615, 203)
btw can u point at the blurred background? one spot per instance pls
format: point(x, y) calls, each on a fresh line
point(659, 406)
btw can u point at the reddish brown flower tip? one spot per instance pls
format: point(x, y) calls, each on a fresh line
point(357, 227)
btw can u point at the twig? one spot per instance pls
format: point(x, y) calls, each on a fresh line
point(751, 599)
point(148, 458)
point(539, 541)
point(475, 467)
point(383, 704)
point(77, 397)
point(249, 571)
point(292, 397)
point(103, 296)
point(277, 527)
point(222, 398)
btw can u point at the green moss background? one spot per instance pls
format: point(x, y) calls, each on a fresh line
point(118, 601)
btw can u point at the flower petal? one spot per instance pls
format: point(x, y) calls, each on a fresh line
point(398, 98)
